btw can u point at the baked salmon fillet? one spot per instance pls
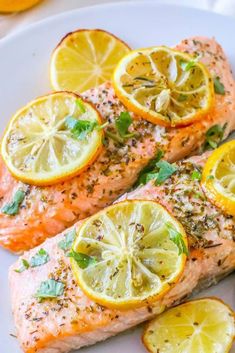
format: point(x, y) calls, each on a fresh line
point(46, 211)
point(72, 320)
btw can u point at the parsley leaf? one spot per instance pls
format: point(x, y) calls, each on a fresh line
point(80, 128)
point(123, 123)
point(157, 169)
point(25, 266)
point(214, 136)
point(50, 289)
point(81, 105)
point(148, 170)
point(165, 171)
point(196, 175)
point(40, 258)
point(177, 238)
point(12, 208)
point(82, 260)
point(186, 66)
point(66, 244)
point(218, 86)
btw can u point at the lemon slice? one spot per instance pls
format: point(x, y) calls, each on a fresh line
point(218, 177)
point(130, 257)
point(164, 86)
point(40, 147)
point(200, 326)
point(16, 5)
point(85, 59)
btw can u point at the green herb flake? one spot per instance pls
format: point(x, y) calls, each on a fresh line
point(80, 128)
point(218, 86)
point(123, 123)
point(82, 260)
point(177, 238)
point(66, 243)
point(25, 266)
point(186, 66)
point(196, 175)
point(50, 289)
point(165, 171)
point(12, 208)
point(149, 169)
point(214, 136)
point(40, 258)
point(80, 105)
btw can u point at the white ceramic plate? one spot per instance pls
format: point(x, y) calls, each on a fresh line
point(24, 59)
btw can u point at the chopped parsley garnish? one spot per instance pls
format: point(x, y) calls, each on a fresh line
point(80, 128)
point(25, 266)
point(12, 208)
point(81, 105)
point(214, 136)
point(50, 289)
point(123, 123)
point(165, 171)
point(40, 258)
point(186, 66)
point(82, 260)
point(157, 169)
point(149, 168)
point(177, 238)
point(66, 243)
point(196, 175)
point(218, 86)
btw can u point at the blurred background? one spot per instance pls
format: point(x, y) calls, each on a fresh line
point(15, 14)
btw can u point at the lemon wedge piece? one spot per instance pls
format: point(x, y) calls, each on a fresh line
point(164, 86)
point(127, 254)
point(205, 325)
point(218, 177)
point(52, 139)
point(84, 59)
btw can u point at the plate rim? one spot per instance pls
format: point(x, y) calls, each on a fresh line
point(56, 17)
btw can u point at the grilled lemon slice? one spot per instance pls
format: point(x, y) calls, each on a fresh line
point(127, 255)
point(205, 325)
point(52, 139)
point(218, 177)
point(164, 86)
point(84, 59)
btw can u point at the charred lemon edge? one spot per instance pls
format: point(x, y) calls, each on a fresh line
point(156, 118)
